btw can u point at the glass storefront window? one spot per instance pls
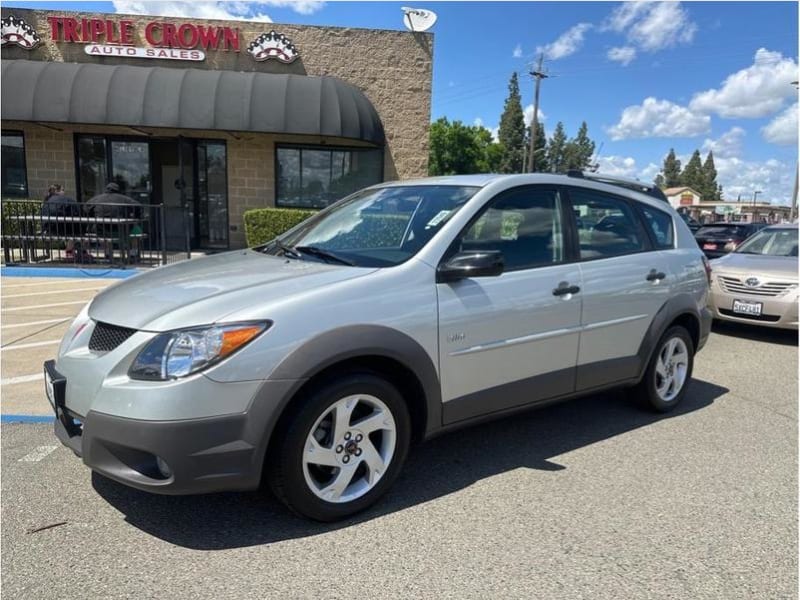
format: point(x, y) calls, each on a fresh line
point(92, 167)
point(131, 164)
point(213, 194)
point(315, 177)
point(14, 175)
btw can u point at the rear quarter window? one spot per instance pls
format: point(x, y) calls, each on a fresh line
point(660, 225)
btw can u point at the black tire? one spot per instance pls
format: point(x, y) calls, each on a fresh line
point(646, 389)
point(285, 464)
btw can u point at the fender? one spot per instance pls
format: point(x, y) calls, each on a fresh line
point(681, 304)
point(343, 343)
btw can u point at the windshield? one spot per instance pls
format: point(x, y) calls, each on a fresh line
point(723, 230)
point(771, 242)
point(379, 227)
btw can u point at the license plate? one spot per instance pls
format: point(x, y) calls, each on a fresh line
point(709, 246)
point(747, 308)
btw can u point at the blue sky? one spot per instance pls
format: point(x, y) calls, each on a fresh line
point(646, 77)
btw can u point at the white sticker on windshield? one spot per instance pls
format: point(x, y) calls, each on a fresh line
point(440, 216)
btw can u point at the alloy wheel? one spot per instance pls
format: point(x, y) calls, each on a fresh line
point(672, 365)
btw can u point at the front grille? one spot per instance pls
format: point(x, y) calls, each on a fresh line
point(767, 318)
point(733, 285)
point(106, 337)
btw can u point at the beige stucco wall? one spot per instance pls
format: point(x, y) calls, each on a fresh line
point(392, 68)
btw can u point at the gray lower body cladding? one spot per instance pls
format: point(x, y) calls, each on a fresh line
point(212, 454)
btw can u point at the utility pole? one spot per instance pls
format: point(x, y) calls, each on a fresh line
point(793, 211)
point(538, 74)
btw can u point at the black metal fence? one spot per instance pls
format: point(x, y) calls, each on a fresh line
point(86, 234)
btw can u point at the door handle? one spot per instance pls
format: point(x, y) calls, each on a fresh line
point(565, 288)
point(655, 275)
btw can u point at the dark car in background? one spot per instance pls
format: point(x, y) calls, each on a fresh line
point(718, 239)
point(693, 223)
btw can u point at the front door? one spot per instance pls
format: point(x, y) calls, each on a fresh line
point(510, 340)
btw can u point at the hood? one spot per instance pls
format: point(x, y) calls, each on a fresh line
point(204, 290)
point(783, 268)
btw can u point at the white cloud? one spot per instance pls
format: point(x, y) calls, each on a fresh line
point(517, 51)
point(238, 11)
point(652, 26)
point(495, 133)
point(617, 166)
point(773, 177)
point(757, 91)
point(478, 122)
point(568, 43)
point(527, 115)
point(659, 118)
point(623, 55)
point(649, 172)
point(783, 128)
point(727, 145)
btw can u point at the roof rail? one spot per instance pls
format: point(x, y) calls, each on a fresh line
point(650, 189)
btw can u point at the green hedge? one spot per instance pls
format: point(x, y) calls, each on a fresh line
point(17, 207)
point(264, 224)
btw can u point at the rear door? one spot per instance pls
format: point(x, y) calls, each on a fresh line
point(509, 340)
point(626, 280)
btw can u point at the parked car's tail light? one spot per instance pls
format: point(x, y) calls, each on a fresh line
point(180, 353)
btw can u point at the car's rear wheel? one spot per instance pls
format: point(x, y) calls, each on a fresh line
point(343, 447)
point(667, 377)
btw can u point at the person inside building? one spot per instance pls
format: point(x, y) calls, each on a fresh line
point(57, 212)
point(108, 209)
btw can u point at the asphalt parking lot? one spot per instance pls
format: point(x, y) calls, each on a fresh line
point(592, 498)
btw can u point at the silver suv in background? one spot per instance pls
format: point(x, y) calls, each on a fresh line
point(405, 310)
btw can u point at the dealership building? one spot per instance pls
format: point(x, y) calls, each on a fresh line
point(209, 118)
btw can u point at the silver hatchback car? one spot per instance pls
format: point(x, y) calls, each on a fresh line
point(405, 310)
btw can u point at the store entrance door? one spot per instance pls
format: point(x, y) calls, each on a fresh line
point(189, 177)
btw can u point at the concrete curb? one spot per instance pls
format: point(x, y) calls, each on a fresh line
point(68, 272)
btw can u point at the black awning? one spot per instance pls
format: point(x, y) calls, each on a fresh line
point(54, 92)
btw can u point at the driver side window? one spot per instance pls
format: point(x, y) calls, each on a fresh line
point(524, 224)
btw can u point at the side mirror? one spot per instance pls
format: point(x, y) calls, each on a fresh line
point(480, 263)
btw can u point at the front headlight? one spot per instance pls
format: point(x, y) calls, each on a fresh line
point(180, 353)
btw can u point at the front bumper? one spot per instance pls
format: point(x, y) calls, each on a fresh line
point(209, 454)
point(777, 312)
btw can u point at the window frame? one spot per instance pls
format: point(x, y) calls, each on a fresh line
point(569, 248)
point(325, 147)
point(648, 245)
point(20, 133)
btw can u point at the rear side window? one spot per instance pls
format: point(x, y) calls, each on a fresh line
point(607, 226)
point(524, 224)
point(660, 225)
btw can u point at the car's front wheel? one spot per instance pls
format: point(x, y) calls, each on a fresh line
point(343, 447)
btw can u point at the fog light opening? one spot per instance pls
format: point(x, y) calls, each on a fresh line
point(163, 468)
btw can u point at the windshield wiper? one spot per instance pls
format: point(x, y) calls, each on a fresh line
point(287, 250)
point(324, 255)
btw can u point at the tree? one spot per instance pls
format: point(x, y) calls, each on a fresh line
point(579, 150)
point(511, 134)
point(692, 175)
point(457, 149)
point(672, 170)
point(540, 148)
point(710, 189)
point(659, 181)
point(556, 148)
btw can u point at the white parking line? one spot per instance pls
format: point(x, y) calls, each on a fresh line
point(31, 345)
point(18, 308)
point(64, 291)
point(38, 454)
point(31, 323)
point(22, 379)
point(38, 283)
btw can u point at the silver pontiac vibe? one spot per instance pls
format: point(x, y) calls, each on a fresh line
point(404, 310)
